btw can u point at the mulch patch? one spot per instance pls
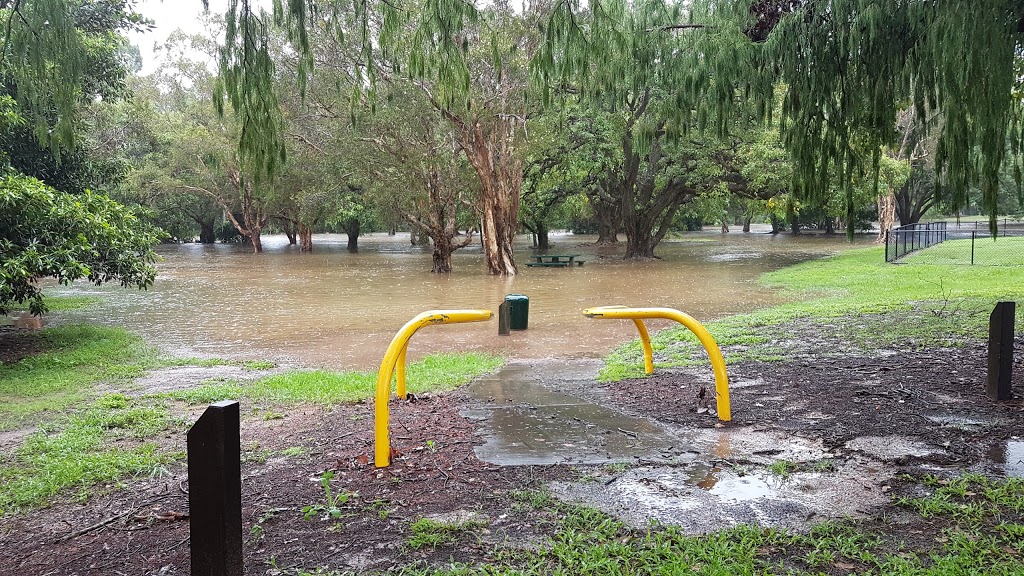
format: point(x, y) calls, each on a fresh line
point(935, 395)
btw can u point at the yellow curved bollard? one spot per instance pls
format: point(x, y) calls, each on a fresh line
point(394, 361)
point(637, 315)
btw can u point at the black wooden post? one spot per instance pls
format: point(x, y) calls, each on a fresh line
point(1000, 351)
point(504, 318)
point(215, 492)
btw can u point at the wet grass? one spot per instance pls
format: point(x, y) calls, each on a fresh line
point(434, 373)
point(854, 300)
point(1005, 251)
point(948, 542)
point(101, 443)
point(64, 303)
point(72, 360)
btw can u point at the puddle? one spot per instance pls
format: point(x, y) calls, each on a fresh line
point(701, 498)
point(1010, 456)
point(888, 448)
point(730, 487)
point(960, 422)
point(526, 422)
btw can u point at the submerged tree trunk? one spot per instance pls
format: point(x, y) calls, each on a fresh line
point(500, 172)
point(746, 223)
point(607, 217)
point(289, 230)
point(542, 237)
point(305, 238)
point(639, 243)
point(830, 226)
point(725, 226)
point(207, 232)
point(352, 228)
point(794, 220)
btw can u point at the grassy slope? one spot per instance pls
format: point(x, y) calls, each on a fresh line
point(871, 303)
point(73, 448)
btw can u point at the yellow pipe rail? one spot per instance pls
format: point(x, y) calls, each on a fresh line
point(637, 315)
point(394, 361)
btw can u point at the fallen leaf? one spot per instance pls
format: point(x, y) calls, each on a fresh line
point(363, 459)
point(844, 566)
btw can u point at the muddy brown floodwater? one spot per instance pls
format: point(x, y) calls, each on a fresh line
point(339, 310)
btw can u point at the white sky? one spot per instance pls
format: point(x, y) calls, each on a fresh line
point(169, 16)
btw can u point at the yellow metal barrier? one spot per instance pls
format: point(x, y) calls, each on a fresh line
point(394, 363)
point(637, 315)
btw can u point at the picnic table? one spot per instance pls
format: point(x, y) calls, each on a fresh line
point(555, 260)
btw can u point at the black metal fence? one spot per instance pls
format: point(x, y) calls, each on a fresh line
point(967, 243)
point(908, 239)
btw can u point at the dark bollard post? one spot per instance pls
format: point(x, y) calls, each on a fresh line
point(215, 492)
point(1000, 351)
point(504, 318)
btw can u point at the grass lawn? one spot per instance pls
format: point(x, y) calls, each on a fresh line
point(106, 439)
point(870, 303)
point(1005, 251)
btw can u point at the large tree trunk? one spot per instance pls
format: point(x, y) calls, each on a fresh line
point(608, 219)
point(305, 238)
point(746, 223)
point(500, 172)
point(886, 215)
point(207, 232)
point(830, 226)
point(542, 237)
point(639, 243)
point(352, 228)
point(441, 259)
point(794, 220)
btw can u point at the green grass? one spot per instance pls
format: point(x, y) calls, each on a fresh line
point(588, 542)
point(854, 300)
point(434, 373)
point(64, 303)
point(1006, 251)
point(427, 532)
point(74, 359)
point(97, 444)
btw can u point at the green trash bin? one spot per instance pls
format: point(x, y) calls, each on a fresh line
point(519, 310)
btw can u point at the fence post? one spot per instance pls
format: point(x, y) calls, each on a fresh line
point(215, 491)
point(974, 234)
point(1000, 351)
point(887, 245)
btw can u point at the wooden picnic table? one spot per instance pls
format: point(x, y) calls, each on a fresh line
point(555, 260)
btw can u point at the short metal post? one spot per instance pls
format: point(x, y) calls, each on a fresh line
point(886, 245)
point(973, 235)
point(215, 492)
point(1000, 351)
point(504, 318)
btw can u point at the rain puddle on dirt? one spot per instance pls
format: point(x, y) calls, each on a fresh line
point(525, 421)
point(1010, 456)
point(701, 497)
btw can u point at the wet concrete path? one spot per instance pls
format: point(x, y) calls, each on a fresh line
point(528, 414)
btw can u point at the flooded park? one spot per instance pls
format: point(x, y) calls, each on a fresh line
point(335, 309)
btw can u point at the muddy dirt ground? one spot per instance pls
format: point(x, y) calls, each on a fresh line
point(874, 417)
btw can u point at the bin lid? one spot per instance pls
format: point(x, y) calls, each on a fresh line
point(516, 297)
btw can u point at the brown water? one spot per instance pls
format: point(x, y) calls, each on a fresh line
point(339, 310)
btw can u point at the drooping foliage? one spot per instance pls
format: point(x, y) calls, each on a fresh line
point(45, 233)
point(847, 67)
